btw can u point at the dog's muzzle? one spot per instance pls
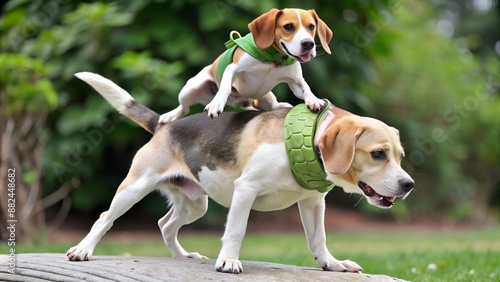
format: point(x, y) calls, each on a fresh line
point(307, 47)
point(377, 199)
point(406, 185)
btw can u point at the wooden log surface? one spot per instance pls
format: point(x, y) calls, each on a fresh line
point(56, 267)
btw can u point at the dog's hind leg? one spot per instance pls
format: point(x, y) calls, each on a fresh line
point(194, 91)
point(269, 102)
point(183, 211)
point(122, 202)
point(134, 187)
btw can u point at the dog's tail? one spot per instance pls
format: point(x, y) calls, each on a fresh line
point(121, 100)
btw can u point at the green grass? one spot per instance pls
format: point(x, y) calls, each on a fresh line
point(458, 256)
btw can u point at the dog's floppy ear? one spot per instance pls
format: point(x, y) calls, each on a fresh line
point(337, 146)
point(262, 28)
point(324, 32)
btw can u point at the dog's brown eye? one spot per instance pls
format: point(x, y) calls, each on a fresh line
point(289, 27)
point(378, 155)
point(312, 27)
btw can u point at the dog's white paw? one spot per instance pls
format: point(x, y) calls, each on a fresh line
point(341, 266)
point(228, 265)
point(314, 103)
point(351, 266)
point(214, 108)
point(173, 115)
point(282, 105)
point(196, 255)
point(165, 118)
point(78, 254)
point(169, 117)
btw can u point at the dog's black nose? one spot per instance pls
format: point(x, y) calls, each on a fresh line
point(406, 184)
point(307, 44)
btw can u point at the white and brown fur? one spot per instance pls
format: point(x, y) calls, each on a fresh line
point(290, 31)
point(239, 160)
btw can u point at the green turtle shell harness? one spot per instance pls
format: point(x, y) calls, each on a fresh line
point(300, 129)
point(247, 43)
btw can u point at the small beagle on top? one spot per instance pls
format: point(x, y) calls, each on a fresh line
point(259, 61)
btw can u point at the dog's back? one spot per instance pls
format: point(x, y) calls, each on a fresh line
point(209, 143)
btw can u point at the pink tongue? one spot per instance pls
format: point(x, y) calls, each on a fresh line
point(305, 57)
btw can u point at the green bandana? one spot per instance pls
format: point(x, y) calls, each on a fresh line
point(300, 129)
point(247, 43)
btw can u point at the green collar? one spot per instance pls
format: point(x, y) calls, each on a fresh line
point(300, 129)
point(247, 43)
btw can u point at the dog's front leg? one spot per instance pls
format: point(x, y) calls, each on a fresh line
point(312, 213)
point(228, 260)
point(301, 89)
point(216, 106)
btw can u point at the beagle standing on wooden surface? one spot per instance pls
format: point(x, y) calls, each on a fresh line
point(240, 160)
point(285, 36)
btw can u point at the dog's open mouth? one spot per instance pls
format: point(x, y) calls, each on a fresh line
point(302, 58)
point(380, 200)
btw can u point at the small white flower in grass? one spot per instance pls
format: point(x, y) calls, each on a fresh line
point(432, 266)
point(472, 272)
point(413, 270)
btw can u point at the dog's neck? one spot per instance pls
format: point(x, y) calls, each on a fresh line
point(323, 125)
